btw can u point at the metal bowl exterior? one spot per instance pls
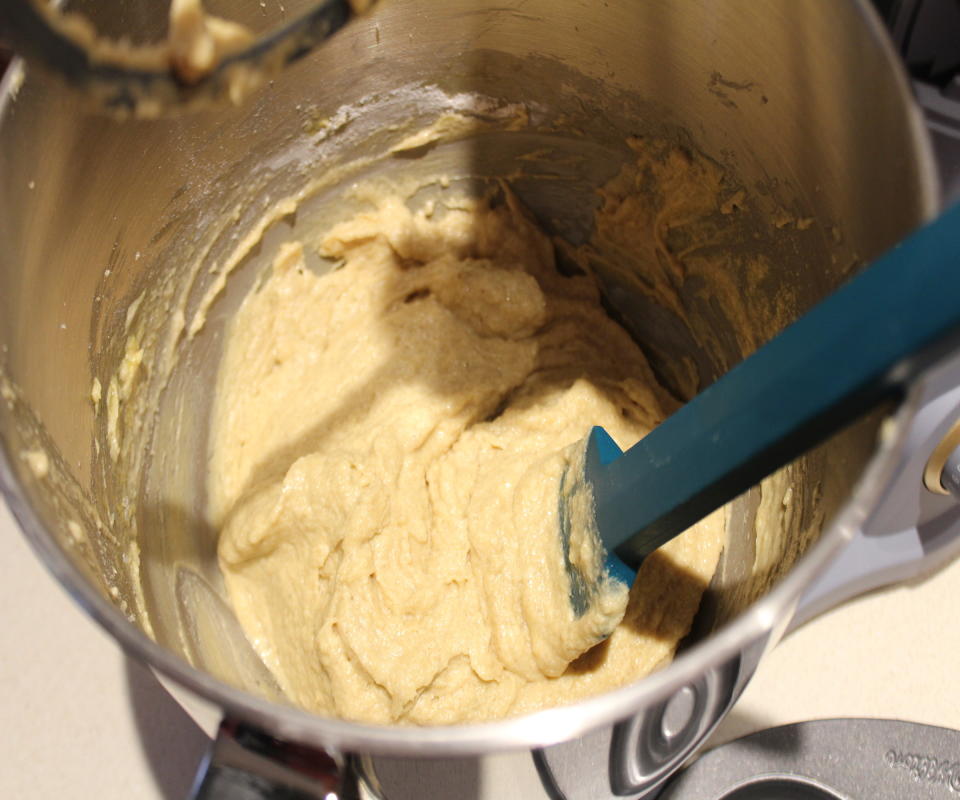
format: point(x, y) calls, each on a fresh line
point(846, 138)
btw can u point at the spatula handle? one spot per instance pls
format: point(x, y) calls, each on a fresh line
point(855, 350)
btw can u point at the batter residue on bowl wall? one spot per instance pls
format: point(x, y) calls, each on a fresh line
point(387, 446)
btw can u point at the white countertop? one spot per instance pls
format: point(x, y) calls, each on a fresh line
point(80, 719)
point(83, 721)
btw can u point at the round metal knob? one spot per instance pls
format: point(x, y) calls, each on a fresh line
point(942, 474)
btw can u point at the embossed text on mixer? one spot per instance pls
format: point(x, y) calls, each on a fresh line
point(926, 769)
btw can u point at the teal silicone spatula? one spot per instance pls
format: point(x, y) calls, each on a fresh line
point(858, 349)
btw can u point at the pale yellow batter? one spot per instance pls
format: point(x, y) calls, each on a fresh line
point(388, 443)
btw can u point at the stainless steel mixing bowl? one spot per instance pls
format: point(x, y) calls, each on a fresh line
point(804, 106)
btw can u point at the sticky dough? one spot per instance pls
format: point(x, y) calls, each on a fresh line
point(387, 448)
